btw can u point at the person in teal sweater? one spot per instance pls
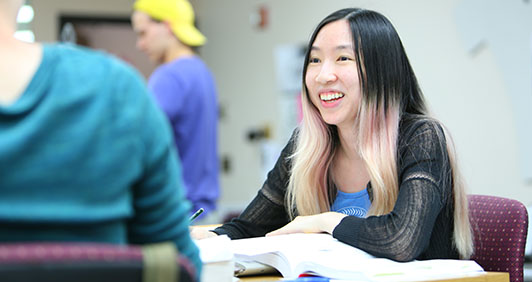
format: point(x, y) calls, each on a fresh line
point(85, 154)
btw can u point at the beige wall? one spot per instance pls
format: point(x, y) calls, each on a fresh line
point(466, 91)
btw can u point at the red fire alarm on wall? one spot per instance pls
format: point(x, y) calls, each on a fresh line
point(259, 19)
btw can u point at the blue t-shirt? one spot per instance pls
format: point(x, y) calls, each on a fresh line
point(355, 204)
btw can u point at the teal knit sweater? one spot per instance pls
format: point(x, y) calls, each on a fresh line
point(85, 155)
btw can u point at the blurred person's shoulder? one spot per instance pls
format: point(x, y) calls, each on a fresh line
point(85, 64)
point(99, 81)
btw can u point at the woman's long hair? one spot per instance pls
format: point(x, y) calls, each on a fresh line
point(389, 89)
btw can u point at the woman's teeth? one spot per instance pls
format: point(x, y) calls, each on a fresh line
point(331, 96)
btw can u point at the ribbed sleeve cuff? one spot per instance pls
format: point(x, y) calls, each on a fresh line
point(224, 231)
point(348, 229)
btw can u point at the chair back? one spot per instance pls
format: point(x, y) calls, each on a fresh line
point(500, 228)
point(82, 262)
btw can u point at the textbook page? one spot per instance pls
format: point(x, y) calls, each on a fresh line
point(286, 252)
point(321, 254)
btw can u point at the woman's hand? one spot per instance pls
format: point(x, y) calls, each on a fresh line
point(199, 233)
point(323, 222)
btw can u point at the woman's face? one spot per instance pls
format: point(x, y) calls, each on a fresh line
point(332, 75)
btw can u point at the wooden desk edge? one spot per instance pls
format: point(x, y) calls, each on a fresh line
point(486, 277)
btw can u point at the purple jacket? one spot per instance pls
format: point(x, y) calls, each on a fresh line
point(186, 91)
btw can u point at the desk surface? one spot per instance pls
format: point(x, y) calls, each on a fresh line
point(487, 277)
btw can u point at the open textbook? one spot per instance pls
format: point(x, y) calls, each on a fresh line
point(321, 254)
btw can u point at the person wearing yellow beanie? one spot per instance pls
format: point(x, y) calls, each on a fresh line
point(179, 16)
point(165, 29)
point(184, 88)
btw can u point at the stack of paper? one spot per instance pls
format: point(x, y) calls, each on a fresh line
point(217, 258)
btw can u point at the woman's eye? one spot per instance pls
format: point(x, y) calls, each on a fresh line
point(344, 58)
point(314, 60)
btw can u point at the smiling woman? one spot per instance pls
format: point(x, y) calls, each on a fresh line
point(367, 164)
